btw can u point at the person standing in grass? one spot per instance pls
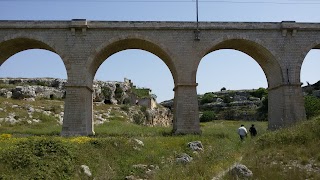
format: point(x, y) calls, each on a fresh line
point(253, 131)
point(242, 131)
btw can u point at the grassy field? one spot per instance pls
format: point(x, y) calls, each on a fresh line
point(291, 153)
point(36, 151)
point(113, 152)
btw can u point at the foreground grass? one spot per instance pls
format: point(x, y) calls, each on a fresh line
point(36, 151)
point(291, 153)
point(112, 153)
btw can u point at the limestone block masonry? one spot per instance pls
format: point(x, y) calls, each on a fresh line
point(279, 48)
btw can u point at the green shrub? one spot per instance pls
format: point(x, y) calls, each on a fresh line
point(127, 101)
point(143, 109)
point(263, 109)
point(208, 116)
point(141, 92)
point(259, 93)
point(44, 117)
point(312, 106)
point(125, 108)
point(41, 158)
point(138, 118)
point(207, 98)
point(227, 99)
point(106, 92)
point(42, 83)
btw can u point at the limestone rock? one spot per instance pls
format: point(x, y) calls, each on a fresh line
point(159, 116)
point(241, 171)
point(184, 158)
point(195, 146)
point(86, 171)
point(140, 166)
point(219, 100)
point(139, 142)
point(104, 92)
point(5, 93)
point(132, 177)
point(168, 104)
point(21, 92)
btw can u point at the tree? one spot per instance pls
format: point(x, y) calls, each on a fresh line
point(312, 106)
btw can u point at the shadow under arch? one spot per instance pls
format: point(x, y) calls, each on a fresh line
point(15, 45)
point(259, 53)
point(125, 44)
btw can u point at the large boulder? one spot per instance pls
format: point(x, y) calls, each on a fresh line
point(241, 171)
point(21, 92)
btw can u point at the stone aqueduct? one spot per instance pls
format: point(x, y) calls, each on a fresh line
point(279, 48)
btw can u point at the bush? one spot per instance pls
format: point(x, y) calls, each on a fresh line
point(263, 109)
point(207, 98)
point(229, 114)
point(118, 92)
point(208, 116)
point(42, 158)
point(125, 108)
point(143, 109)
point(312, 106)
point(142, 93)
point(259, 93)
point(106, 91)
point(138, 118)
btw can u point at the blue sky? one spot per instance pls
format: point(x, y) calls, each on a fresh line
point(223, 68)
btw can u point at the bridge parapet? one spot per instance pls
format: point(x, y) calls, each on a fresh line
point(174, 25)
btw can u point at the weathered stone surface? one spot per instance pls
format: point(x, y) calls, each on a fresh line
point(184, 158)
point(195, 146)
point(138, 142)
point(241, 171)
point(132, 177)
point(278, 47)
point(86, 171)
point(168, 104)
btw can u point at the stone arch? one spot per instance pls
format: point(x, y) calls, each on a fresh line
point(304, 53)
point(14, 44)
point(129, 42)
point(264, 57)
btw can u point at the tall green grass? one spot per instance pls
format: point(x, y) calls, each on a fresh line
point(291, 153)
point(112, 153)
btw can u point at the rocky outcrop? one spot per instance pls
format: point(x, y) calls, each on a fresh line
point(229, 105)
point(110, 92)
point(116, 93)
point(159, 116)
point(312, 89)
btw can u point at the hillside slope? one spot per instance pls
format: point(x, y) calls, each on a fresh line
point(291, 153)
